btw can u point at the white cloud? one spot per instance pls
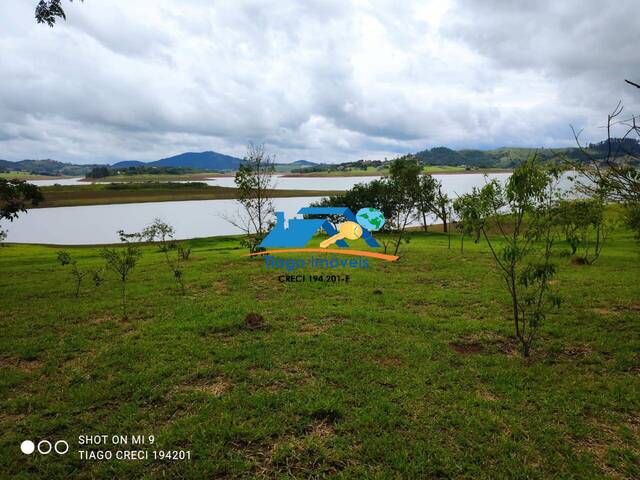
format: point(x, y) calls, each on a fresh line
point(322, 80)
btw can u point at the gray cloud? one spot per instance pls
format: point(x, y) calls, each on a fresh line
point(323, 80)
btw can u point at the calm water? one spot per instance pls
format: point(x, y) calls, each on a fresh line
point(99, 223)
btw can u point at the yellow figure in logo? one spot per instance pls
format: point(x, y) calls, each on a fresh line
point(348, 230)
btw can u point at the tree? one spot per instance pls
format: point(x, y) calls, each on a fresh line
point(15, 196)
point(584, 226)
point(64, 258)
point(122, 261)
point(175, 255)
point(471, 210)
point(398, 199)
point(425, 201)
point(99, 172)
point(615, 174)
point(523, 213)
point(254, 180)
point(48, 11)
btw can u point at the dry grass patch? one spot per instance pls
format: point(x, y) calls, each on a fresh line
point(26, 366)
point(216, 387)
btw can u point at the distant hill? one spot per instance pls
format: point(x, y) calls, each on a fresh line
point(303, 163)
point(46, 167)
point(202, 161)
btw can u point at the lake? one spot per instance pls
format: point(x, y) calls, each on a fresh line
point(99, 223)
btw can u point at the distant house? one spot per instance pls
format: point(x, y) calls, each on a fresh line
point(299, 232)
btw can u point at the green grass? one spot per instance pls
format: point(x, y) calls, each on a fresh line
point(409, 371)
point(104, 194)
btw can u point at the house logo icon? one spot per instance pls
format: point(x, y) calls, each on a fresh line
point(294, 235)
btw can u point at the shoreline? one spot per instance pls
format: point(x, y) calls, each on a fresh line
point(86, 195)
point(384, 174)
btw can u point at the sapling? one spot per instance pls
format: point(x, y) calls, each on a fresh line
point(523, 212)
point(175, 254)
point(64, 258)
point(122, 261)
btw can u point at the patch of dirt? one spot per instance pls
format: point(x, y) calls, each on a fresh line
point(254, 321)
point(485, 342)
point(388, 361)
point(308, 327)
point(26, 366)
point(466, 348)
point(577, 351)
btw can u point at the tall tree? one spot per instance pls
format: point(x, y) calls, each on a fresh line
point(254, 180)
point(15, 197)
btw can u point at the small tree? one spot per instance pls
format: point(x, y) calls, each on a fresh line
point(3, 236)
point(254, 180)
point(523, 214)
point(122, 261)
point(471, 210)
point(584, 226)
point(399, 197)
point(175, 254)
point(426, 196)
point(64, 258)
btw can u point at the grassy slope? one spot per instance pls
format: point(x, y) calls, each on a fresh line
point(344, 381)
point(102, 194)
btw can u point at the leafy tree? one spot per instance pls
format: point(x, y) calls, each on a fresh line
point(48, 11)
point(442, 207)
point(398, 197)
point(523, 212)
point(584, 226)
point(471, 210)
point(3, 236)
point(426, 197)
point(99, 172)
point(254, 180)
point(122, 261)
point(15, 196)
point(64, 258)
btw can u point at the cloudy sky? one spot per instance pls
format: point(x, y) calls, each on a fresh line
point(320, 80)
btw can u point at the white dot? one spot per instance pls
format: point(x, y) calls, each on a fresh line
point(27, 447)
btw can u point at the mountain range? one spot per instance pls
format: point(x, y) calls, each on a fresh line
point(213, 161)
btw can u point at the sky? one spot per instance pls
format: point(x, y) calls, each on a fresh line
point(329, 81)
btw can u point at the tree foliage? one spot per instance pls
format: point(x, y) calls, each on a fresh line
point(16, 196)
point(523, 213)
point(48, 11)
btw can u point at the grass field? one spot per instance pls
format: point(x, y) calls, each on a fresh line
point(103, 194)
point(27, 176)
point(407, 371)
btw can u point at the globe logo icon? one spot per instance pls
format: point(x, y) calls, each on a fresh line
point(370, 218)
